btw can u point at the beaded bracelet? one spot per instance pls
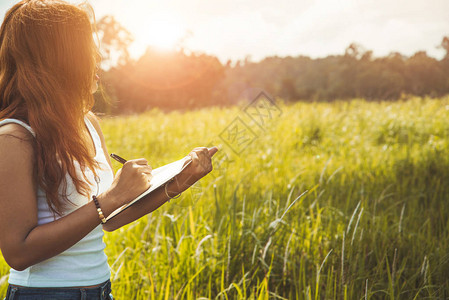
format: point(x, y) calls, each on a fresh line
point(100, 212)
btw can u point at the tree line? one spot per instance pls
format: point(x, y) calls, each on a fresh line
point(182, 80)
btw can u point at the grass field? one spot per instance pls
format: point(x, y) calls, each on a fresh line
point(373, 223)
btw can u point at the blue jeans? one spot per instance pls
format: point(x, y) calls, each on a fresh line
point(102, 292)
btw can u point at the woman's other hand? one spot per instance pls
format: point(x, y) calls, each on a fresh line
point(199, 167)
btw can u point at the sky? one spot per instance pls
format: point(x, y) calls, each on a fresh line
point(235, 29)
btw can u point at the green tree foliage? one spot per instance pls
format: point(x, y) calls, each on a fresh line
point(176, 80)
point(115, 41)
point(445, 46)
point(168, 80)
point(356, 74)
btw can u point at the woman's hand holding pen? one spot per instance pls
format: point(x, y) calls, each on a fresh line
point(131, 180)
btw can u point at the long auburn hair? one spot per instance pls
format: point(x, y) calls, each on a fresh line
point(48, 61)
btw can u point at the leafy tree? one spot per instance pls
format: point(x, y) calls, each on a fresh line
point(115, 41)
point(445, 46)
point(176, 80)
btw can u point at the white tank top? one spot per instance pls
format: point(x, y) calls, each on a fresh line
point(85, 263)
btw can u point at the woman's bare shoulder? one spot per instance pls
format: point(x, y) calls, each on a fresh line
point(15, 146)
point(13, 130)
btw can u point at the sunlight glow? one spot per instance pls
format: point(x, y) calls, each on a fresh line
point(160, 31)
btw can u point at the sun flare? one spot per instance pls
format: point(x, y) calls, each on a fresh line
point(162, 32)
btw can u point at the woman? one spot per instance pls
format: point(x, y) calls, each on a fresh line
point(56, 180)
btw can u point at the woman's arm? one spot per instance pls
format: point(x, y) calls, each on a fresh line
point(22, 241)
point(149, 203)
point(199, 167)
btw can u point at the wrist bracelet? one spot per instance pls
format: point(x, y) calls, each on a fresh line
point(166, 193)
point(100, 212)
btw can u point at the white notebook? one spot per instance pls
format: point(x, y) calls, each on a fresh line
point(161, 176)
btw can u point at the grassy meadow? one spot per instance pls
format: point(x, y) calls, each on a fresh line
point(372, 221)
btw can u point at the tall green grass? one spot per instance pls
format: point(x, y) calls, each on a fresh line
point(373, 223)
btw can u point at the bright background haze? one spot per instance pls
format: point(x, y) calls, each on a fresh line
point(235, 29)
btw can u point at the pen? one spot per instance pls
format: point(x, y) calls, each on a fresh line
point(118, 158)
